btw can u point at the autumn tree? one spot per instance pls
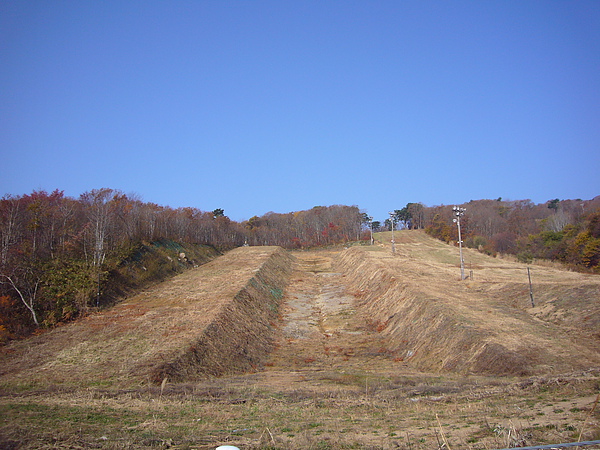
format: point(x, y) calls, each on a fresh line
point(10, 230)
point(440, 228)
point(416, 213)
point(26, 284)
point(100, 215)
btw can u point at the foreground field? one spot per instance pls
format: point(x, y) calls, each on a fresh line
point(371, 350)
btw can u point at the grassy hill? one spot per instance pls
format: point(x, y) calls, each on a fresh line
point(485, 324)
point(213, 320)
point(325, 349)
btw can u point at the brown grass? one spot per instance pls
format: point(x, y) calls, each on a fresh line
point(211, 320)
point(365, 351)
point(484, 325)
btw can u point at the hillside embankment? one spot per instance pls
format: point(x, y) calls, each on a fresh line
point(364, 349)
point(149, 263)
point(221, 318)
point(213, 320)
point(483, 325)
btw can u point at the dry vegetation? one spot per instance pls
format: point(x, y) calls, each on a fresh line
point(369, 350)
point(482, 325)
point(214, 320)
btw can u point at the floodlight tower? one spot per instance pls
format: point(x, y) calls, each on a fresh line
point(459, 212)
point(391, 213)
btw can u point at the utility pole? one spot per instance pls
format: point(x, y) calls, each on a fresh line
point(391, 213)
point(530, 288)
point(459, 212)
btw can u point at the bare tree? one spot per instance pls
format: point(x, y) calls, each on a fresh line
point(417, 216)
point(9, 213)
point(559, 220)
point(99, 215)
point(27, 294)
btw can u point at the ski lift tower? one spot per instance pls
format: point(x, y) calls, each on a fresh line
point(459, 212)
point(391, 213)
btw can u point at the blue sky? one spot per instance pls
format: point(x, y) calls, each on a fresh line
point(258, 106)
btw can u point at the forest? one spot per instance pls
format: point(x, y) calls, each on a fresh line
point(62, 257)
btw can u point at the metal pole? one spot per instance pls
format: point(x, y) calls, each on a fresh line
point(462, 261)
point(98, 291)
point(530, 288)
point(393, 240)
point(459, 212)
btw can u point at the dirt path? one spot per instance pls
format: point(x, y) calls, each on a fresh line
point(336, 377)
point(323, 337)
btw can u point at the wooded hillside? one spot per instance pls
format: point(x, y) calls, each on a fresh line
point(61, 256)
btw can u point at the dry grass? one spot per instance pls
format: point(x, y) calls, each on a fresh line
point(370, 351)
point(482, 325)
point(404, 413)
point(212, 320)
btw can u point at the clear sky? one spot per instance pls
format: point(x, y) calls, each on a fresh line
point(258, 106)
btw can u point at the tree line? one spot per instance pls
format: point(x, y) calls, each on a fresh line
point(56, 251)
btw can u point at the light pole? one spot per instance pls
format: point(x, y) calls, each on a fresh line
point(458, 212)
point(391, 213)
